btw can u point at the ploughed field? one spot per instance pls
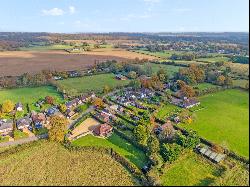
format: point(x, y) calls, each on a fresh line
point(19, 62)
point(225, 120)
point(45, 163)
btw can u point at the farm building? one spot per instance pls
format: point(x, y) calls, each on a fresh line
point(207, 152)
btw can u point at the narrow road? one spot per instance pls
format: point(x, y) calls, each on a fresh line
point(23, 141)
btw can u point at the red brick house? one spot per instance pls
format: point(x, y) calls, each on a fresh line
point(103, 130)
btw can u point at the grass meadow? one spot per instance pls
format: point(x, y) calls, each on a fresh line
point(189, 170)
point(94, 83)
point(29, 95)
point(225, 120)
point(119, 145)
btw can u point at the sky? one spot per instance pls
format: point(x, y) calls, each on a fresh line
point(73, 16)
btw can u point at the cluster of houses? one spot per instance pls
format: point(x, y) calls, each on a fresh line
point(37, 120)
point(130, 97)
point(41, 119)
point(73, 104)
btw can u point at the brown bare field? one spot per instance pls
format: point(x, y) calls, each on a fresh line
point(118, 53)
point(19, 62)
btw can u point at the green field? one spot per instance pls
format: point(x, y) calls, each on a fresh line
point(45, 48)
point(45, 163)
point(214, 59)
point(119, 145)
point(163, 54)
point(29, 95)
point(170, 69)
point(225, 120)
point(189, 170)
point(94, 83)
point(204, 86)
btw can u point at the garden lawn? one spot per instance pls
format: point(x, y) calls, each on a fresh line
point(94, 83)
point(30, 95)
point(166, 110)
point(19, 135)
point(190, 170)
point(119, 145)
point(225, 120)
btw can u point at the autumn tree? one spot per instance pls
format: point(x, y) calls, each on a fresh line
point(186, 90)
point(192, 75)
point(135, 84)
point(184, 115)
point(221, 80)
point(162, 75)
point(7, 106)
point(62, 108)
point(106, 89)
point(228, 81)
point(49, 100)
point(58, 128)
point(132, 75)
point(98, 102)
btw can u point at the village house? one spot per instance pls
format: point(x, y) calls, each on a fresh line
point(39, 120)
point(185, 102)
point(40, 103)
point(121, 77)
point(19, 107)
point(117, 108)
point(103, 130)
point(190, 102)
point(6, 126)
point(73, 74)
point(23, 123)
point(70, 113)
point(57, 78)
point(52, 111)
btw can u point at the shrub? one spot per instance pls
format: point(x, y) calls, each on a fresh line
point(170, 152)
